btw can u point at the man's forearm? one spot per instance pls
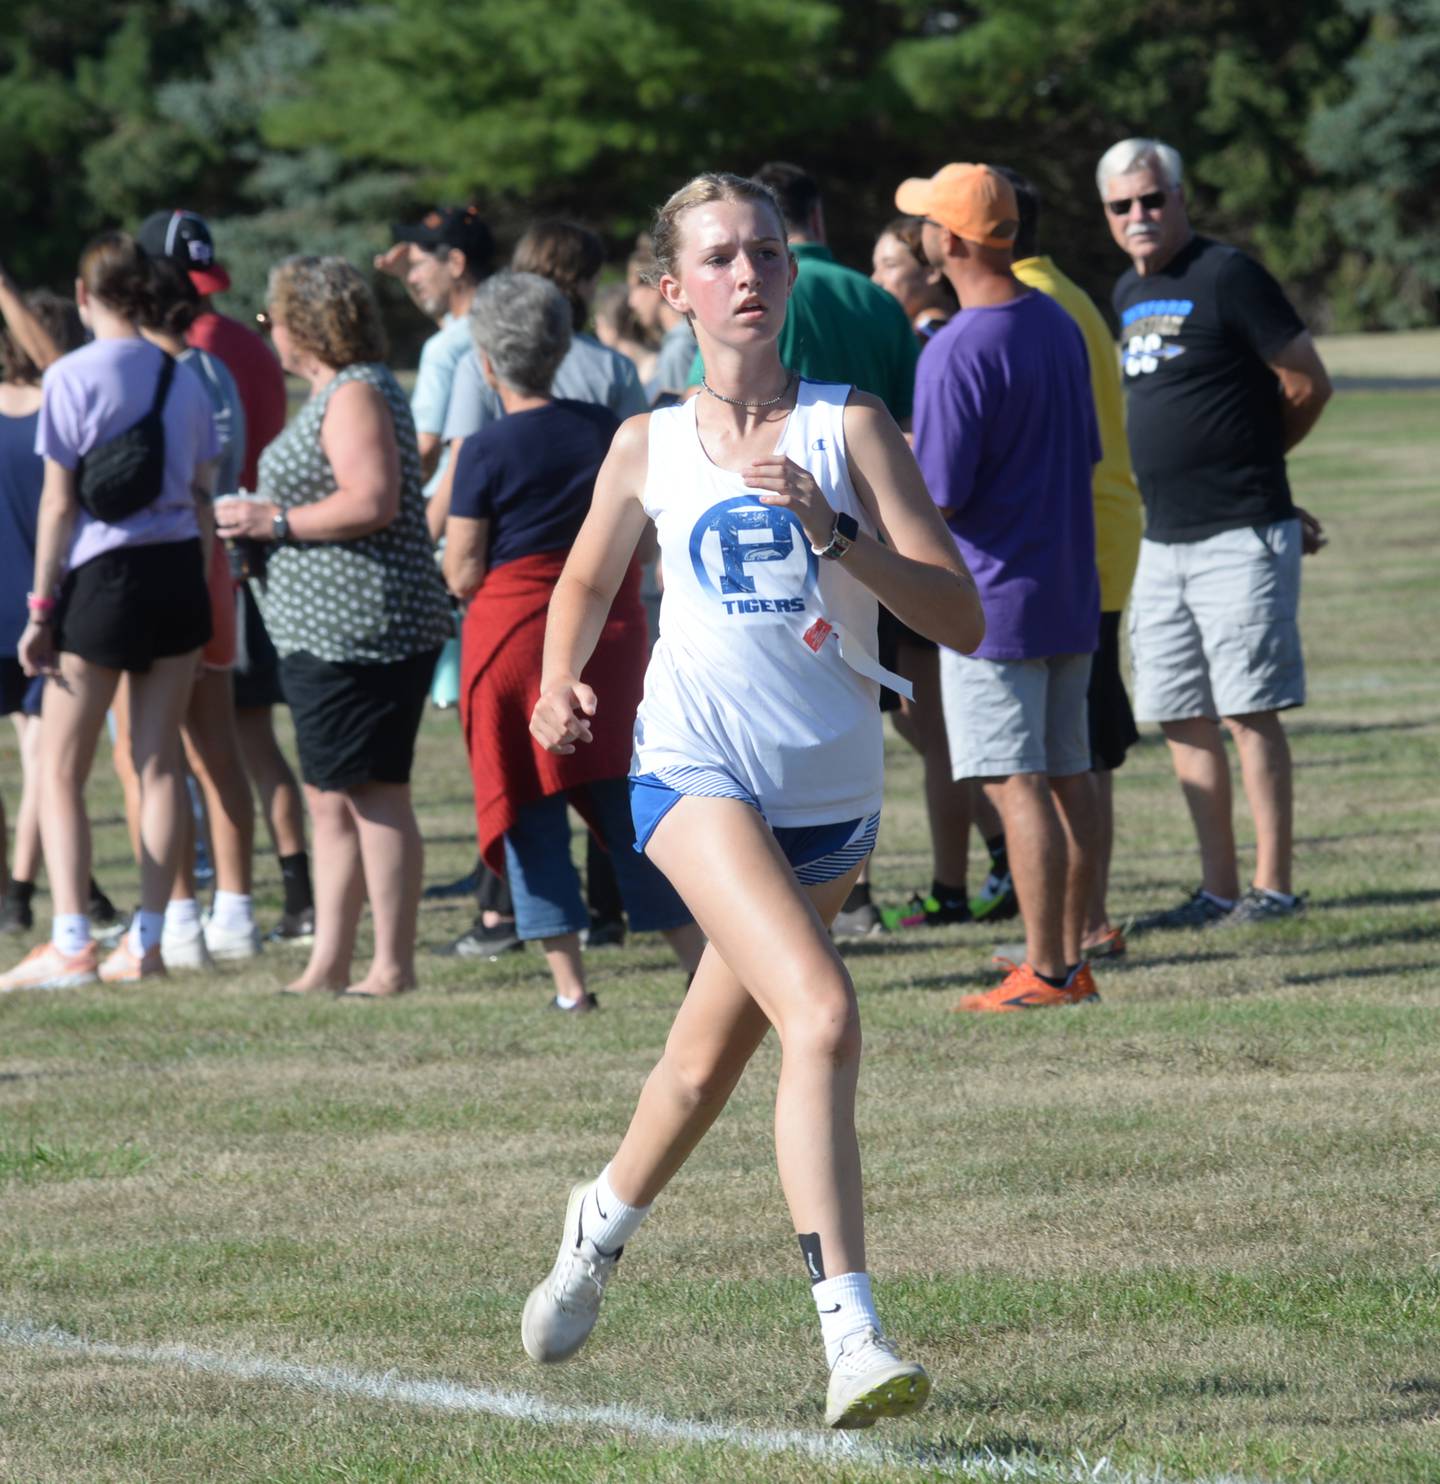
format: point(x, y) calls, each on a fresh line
point(1300, 417)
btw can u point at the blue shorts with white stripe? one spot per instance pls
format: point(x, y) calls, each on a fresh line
point(817, 852)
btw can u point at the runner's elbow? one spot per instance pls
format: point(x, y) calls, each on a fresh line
point(960, 622)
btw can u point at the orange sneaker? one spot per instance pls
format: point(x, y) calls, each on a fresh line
point(1023, 989)
point(123, 967)
point(1110, 944)
point(45, 967)
point(1081, 988)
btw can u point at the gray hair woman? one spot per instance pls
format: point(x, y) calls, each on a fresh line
point(522, 490)
point(353, 603)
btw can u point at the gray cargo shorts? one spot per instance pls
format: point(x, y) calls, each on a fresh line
point(1016, 716)
point(1213, 625)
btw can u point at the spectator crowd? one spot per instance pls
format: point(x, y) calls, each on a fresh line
point(178, 558)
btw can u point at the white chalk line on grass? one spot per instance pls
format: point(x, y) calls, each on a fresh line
point(517, 1406)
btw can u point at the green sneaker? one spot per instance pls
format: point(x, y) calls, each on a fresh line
point(996, 901)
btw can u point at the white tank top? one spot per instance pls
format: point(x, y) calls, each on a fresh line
point(765, 668)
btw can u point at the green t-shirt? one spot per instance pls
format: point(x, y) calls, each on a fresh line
point(841, 327)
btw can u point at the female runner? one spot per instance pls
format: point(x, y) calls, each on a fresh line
point(756, 779)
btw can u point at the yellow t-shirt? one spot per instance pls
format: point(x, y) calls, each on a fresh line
point(1119, 518)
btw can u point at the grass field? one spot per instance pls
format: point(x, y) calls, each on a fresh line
point(1191, 1232)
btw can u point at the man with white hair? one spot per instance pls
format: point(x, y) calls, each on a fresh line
point(1222, 380)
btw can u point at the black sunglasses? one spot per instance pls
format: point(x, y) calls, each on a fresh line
point(1151, 201)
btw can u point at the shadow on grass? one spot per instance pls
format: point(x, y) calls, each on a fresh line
point(1416, 933)
point(1357, 971)
point(1421, 898)
point(985, 978)
point(1139, 958)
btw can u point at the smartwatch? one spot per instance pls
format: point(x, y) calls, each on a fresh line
point(280, 527)
point(842, 538)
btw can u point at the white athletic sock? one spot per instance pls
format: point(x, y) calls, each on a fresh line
point(845, 1306)
point(145, 932)
point(183, 916)
point(231, 912)
point(607, 1222)
point(70, 932)
point(1226, 902)
point(1286, 898)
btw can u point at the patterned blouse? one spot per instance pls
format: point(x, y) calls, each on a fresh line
point(373, 600)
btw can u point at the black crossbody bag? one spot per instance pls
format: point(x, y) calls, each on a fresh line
point(124, 474)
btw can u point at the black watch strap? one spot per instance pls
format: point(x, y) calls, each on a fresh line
point(842, 538)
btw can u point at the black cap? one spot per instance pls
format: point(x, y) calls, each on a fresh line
point(452, 226)
point(185, 237)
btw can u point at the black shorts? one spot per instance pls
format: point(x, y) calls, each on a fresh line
point(18, 692)
point(257, 666)
point(891, 634)
point(356, 724)
point(126, 609)
point(1112, 723)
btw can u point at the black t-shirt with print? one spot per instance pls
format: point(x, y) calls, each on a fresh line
point(1204, 410)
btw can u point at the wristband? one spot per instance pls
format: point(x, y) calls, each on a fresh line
point(40, 607)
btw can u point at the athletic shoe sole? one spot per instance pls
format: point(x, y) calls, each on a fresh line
point(233, 953)
point(895, 1396)
point(56, 981)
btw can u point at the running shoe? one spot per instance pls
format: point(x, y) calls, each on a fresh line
point(184, 946)
point(45, 967)
point(1198, 910)
point(232, 944)
point(479, 941)
point(1110, 944)
point(294, 928)
point(16, 916)
point(1260, 906)
point(929, 911)
point(561, 1311)
point(869, 1381)
point(583, 1006)
point(863, 921)
point(1023, 989)
point(996, 900)
point(123, 967)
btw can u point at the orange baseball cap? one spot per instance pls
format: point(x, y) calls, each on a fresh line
point(971, 200)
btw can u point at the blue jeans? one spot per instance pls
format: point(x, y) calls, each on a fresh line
point(546, 886)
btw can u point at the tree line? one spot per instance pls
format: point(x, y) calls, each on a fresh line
point(1310, 128)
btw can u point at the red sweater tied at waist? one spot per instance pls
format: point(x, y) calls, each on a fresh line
point(501, 649)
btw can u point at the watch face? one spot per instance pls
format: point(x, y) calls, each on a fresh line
point(847, 526)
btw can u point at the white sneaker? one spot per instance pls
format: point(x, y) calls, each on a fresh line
point(231, 943)
point(869, 1380)
point(561, 1311)
point(184, 947)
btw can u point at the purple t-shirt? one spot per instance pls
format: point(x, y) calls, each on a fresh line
point(96, 393)
point(1006, 437)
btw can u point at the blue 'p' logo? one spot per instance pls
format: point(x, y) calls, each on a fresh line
point(737, 540)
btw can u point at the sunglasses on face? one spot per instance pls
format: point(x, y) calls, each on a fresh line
point(1151, 201)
